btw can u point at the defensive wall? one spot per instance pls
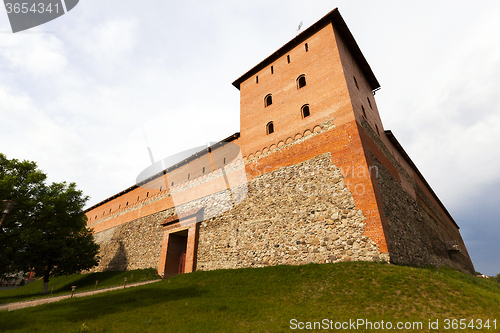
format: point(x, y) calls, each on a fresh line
point(296, 185)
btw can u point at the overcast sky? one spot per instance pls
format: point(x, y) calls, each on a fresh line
point(86, 94)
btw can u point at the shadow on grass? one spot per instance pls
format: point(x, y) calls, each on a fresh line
point(92, 307)
point(89, 280)
point(84, 282)
point(129, 300)
point(22, 298)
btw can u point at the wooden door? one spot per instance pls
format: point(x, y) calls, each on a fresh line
point(182, 263)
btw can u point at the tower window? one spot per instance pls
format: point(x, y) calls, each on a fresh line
point(172, 184)
point(305, 111)
point(356, 82)
point(257, 79)
point(363, 109)
point(272, 70)
point(203, 169)
point(301, 81)
point(270, 128)
point(268, 100)
point(288, 58)
point(189, 175)
point(307, 47)
point(224, 160)
point(369, 103)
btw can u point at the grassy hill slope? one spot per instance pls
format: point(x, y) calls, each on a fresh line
point(267, 299)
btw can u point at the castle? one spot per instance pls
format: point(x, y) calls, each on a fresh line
point(312, 176)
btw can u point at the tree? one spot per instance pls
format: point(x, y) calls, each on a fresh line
point(46, 231)
point(22, 182)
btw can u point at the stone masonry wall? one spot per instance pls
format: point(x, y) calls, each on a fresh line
point(133, 245)
point(294, 215)
point(416, 238)
point(417, 229)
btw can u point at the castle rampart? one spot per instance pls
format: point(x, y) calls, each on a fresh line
point(311, 177)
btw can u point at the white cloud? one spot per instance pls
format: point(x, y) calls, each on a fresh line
point(34, 54)
point(109, 42)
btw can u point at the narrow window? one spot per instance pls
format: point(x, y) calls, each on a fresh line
point(307, 47)
point(369, 103)
point(203, 169)
point(257, 79)
point(110, 210)
point(96, 217)
point(147, 195)
point(172, 184)
point(268, 100)
point(301, 81)
point(288, 58)
point(224, 160)
point(272, 70)
point(119, 206)
point(161, 187)
point(270, 128)
point(356, 82)
point(364, 112)
point(126, 204)
point(189, 175)
point(376, 127)
point(103, 212)
point(305, 111)
point(137, 198)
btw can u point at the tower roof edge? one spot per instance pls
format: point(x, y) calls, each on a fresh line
point(338, 22)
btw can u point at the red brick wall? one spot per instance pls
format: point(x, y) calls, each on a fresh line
point(325, 92)
point(148, 199)
point(360, 93)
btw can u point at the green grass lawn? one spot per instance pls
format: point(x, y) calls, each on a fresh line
point(84, 282)
point(267, 299)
